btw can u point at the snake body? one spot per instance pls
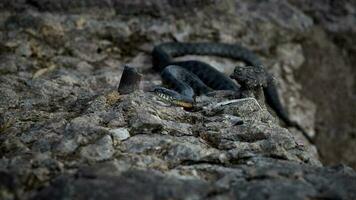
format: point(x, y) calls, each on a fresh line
point(192, 77)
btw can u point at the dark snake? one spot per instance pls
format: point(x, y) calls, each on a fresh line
point(190, 78)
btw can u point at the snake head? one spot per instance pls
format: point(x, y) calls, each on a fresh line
point(173, 97)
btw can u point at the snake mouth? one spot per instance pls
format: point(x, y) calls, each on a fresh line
point(173, 97)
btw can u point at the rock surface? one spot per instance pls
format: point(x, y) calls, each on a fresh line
point(332, 74)
point(66, 133)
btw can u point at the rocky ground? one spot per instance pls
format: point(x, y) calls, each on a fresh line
point(66, 133)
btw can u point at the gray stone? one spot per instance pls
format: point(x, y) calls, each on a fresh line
point(101, 150)
point(120, 134)
point(67, 146)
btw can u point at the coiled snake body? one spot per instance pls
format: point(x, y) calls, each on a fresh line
point(190, 78)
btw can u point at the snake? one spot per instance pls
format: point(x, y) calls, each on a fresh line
point(191, 78)
point(187, 79)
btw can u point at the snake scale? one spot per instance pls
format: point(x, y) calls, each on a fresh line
point(190, 78)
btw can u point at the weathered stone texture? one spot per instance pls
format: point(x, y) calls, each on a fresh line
point(66, 133)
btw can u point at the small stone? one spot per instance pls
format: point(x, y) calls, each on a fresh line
point(120, 134)
point(130, 80)
point(223, 158)
point(233, 120)
point(24, 50)
point(84, 66)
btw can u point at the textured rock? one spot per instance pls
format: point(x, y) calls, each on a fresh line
point(133, 184)
point(331, 54)
point(102, 150)
point(268, 179)
point(66, 133)
point(120, 134)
